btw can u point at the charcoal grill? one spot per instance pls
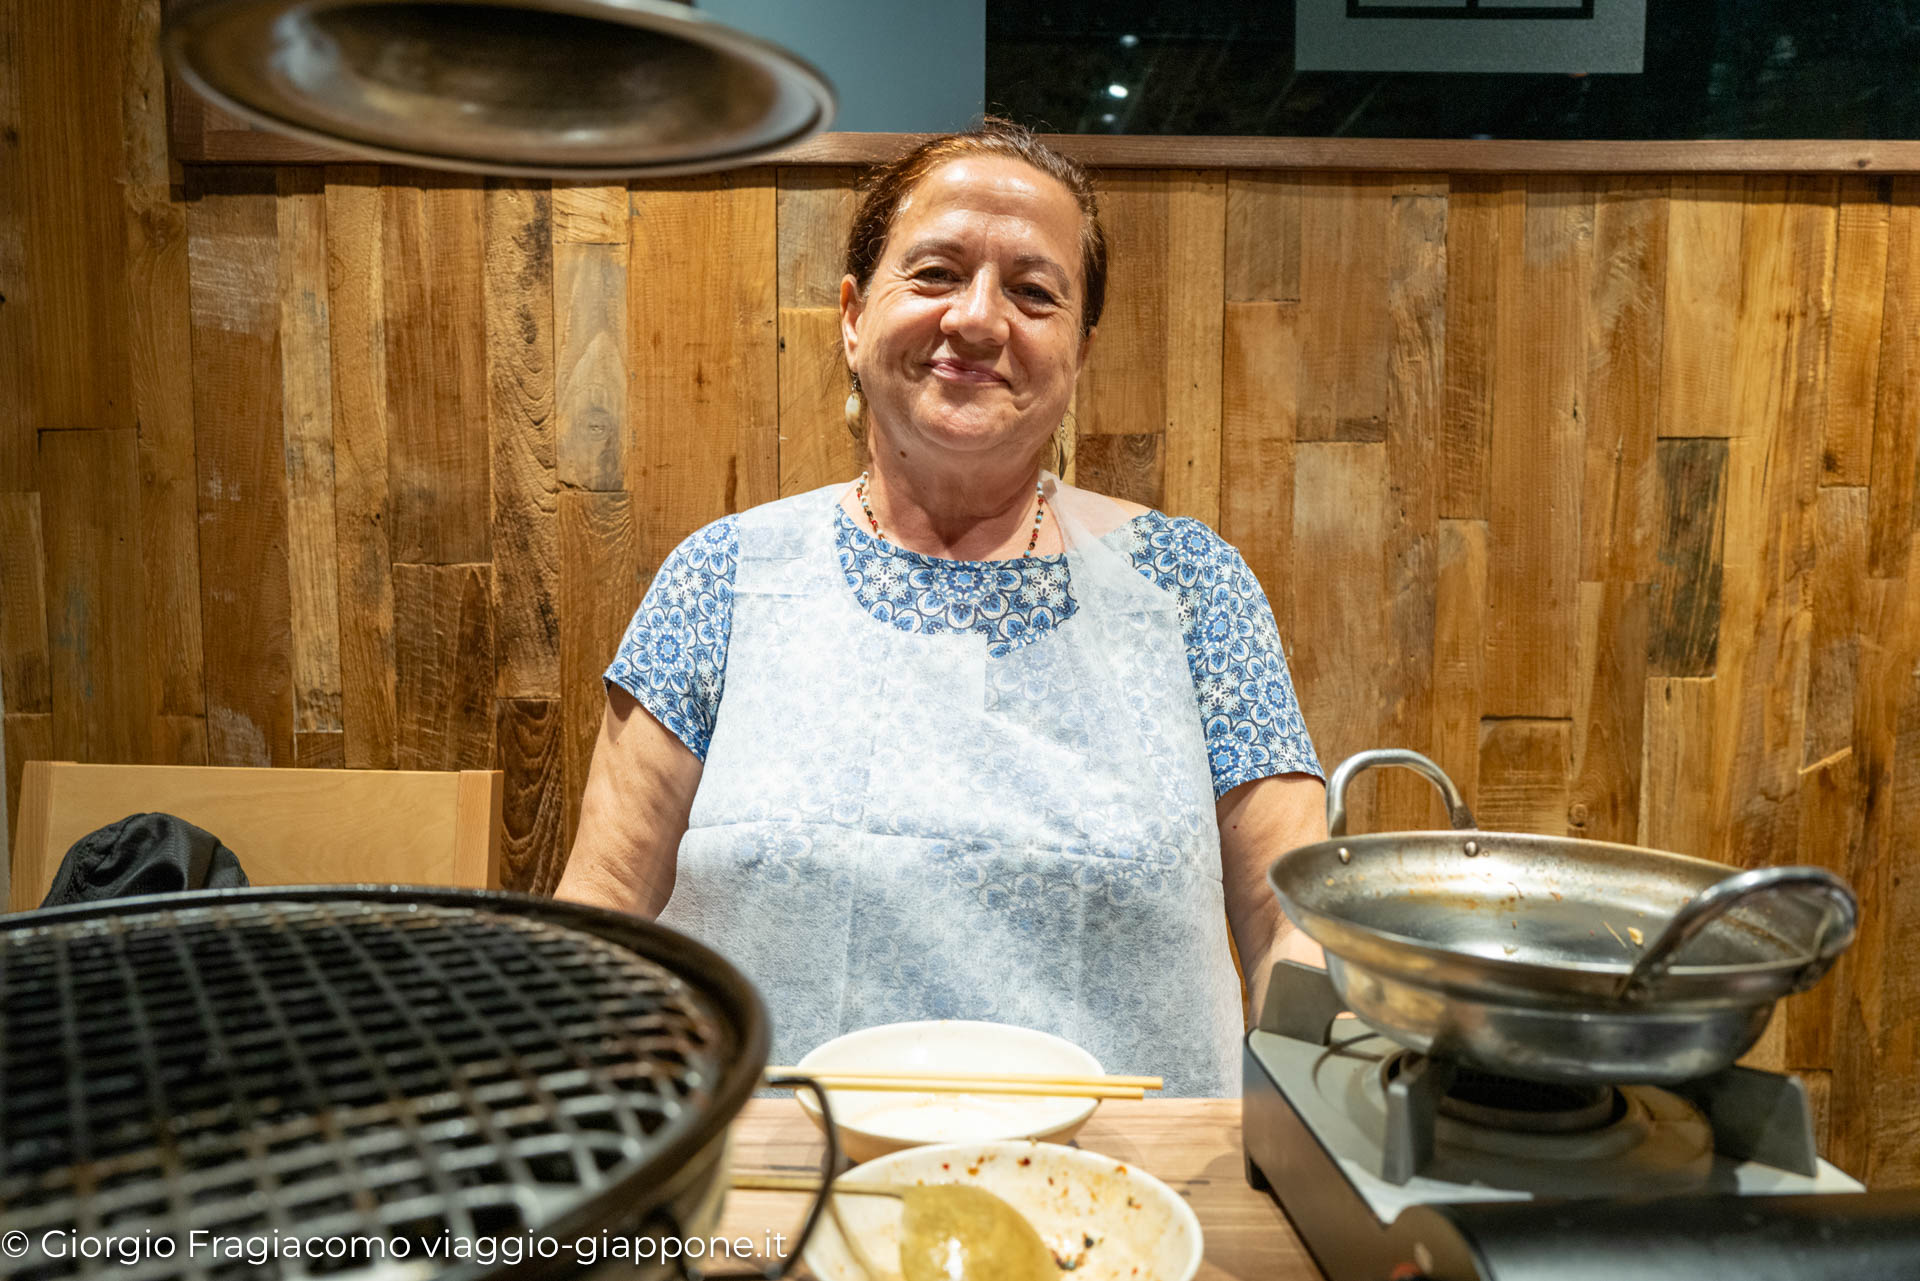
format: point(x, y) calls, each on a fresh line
point(402, 1070)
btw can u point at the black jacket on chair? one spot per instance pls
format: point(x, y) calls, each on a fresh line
point(144, 854)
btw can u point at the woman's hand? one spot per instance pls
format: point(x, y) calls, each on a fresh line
point(633, 813)
point(1260, 821)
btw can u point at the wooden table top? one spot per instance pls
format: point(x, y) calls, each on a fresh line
point(1191, 1145)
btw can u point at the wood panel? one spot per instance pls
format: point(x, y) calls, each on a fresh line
point(1459, 651)
point(443, 666)
point(160, 345)
point(19, 401)
point(589, 215)
point(180, 740)
point(320, 749)
point(1196, 238)
point(1122, 391)
point(521, 424)
point(1609, 710)
point(534, 804)
point(1128, 467)
point(1773, 473)
point(602, 579)
point(1482, 215)
point(1536, 452)
point(590, 370)
point(1704, 222)
point(1839, 587)
point(95, 594)
point(246, 611)
point(70, 164)
point(813, 212)
point(1416, 364)
point(1830, 825)
point(356, 290)
point(306, 404)
point(1624, 340)
point(1677, 776)
point(1685, 635)
point(451, 466)
point(1896, 1081)
point(1525, 766)
point(1869, 1045)
point(1339, 636)
point(29, 737)
point(1263, 237)
point(1625, 332)
point(1155, 365)
point(1859, 299)
point(816, 448)
point(1896, 421)
point(1889, 648)
point(437, 454)
point(1261, 346)
point(24, 685)
point(704, 309)
point(1347, 333)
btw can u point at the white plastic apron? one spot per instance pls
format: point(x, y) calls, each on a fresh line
point(894, 826)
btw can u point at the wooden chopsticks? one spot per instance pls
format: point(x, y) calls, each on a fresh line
point(1041, 1084)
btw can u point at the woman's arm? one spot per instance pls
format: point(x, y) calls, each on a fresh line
point(1260, 821)
point(633, 814)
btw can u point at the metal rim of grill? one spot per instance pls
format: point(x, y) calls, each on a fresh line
point(355, 1062)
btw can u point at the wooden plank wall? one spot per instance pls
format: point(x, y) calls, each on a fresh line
point(1601, 491)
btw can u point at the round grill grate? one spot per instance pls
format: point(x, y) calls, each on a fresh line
point(362, 1068)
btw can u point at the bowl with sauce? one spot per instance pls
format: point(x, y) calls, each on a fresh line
point(872, 1123)
point(1097, 1219)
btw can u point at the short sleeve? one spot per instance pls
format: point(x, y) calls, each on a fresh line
point(673, 658)
point(1246, 701)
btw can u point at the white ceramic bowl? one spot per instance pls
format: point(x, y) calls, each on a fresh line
point(872, 1123)
point(1140, 1227)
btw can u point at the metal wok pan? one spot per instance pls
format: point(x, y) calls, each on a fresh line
point(1555, 958)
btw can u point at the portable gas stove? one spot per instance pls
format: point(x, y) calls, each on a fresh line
point(1394, 1166)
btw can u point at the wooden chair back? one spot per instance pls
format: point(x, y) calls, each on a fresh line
point(288, 826)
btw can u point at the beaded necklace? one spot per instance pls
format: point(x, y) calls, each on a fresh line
point(1033, 539)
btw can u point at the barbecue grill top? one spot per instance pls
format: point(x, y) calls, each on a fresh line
point(415, 1066)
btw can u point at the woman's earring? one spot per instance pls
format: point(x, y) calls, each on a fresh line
point(856, 412)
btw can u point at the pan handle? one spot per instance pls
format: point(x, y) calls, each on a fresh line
point(1837, 924)
point(1457, 812)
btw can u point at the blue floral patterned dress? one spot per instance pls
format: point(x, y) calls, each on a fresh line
point(963, 789)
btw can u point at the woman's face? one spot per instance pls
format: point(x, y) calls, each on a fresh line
point(967, 340)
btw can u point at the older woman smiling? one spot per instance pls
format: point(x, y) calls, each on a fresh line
point(956, 739)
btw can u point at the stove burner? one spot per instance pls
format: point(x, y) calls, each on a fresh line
point(1519, 1106)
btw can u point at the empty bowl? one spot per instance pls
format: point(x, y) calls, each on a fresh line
point(1102, 1219)
point(872, 1123)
